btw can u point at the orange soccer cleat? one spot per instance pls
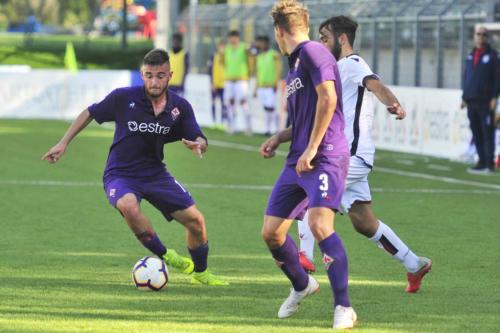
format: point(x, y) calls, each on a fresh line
point(415, 279)
point(306, 264)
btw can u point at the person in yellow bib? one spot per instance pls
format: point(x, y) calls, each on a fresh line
point(268, 73)
point(216, 70)
point(236, 69)
point(179, 64)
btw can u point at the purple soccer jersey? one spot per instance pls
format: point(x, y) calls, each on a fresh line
point(137, 148)
point(135, 161)
point(311, 64)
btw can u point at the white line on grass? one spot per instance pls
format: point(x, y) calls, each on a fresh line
point(381, 169)
point(437, 178)
point(248, 187)
point(438, 167)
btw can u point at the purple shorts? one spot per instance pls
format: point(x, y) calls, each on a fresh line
point(163, 192)
point(321, 187)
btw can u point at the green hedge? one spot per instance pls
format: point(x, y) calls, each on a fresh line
point(48, 51)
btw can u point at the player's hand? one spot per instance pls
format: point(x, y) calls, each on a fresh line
point(195, 146)
point(304, 162)
point(398, 110)
point(55, 153)
point(268, 148)
point(493, 104)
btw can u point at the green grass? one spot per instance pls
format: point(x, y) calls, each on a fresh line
point(66, 255)
point(47, 51)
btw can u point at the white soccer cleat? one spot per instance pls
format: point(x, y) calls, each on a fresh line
point(344, 318)
point(291, 304)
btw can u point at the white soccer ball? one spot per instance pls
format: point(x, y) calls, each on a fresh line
point(150, 273)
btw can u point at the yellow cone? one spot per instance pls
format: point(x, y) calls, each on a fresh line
point(70, 62)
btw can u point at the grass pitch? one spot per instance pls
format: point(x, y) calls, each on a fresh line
point(66, 255)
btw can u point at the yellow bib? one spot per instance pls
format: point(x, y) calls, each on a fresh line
point(177, 66)
point(218, 71)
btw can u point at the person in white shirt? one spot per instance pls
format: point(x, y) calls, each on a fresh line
point(359, 84)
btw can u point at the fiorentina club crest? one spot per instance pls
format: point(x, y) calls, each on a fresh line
point(327, 261)
point(175, 113)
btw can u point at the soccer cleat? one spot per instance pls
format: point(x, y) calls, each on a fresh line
point(481, 170)
point(183, 264)
point(344, 318)
point(291, 304)
point(415, 279)
point(306, 264)
point(207, 278)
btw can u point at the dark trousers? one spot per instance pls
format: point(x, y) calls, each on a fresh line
point(219, 92)
point(483, 132)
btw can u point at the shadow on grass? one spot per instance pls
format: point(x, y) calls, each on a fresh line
point(239, 304)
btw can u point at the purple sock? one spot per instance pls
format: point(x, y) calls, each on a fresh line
point(200, 257)
point(152, 243)
point(335, 260)
point(287, 258)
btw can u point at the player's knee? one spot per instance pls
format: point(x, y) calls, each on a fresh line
point(128, 206)
point(316, 227)
point(271, 238)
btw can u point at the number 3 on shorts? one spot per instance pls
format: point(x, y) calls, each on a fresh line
point(324, 182)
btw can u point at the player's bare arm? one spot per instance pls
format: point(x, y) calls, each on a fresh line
point(268, 148)
point(198, 146)
point(386, 96)
point(55, 153)
point(325, 107)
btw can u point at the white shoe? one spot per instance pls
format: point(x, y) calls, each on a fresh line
point(344, 318)
point(291, 304)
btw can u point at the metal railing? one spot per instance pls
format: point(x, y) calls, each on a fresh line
point(408, 42)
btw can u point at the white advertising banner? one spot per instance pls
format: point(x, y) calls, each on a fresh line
point(435, 125)
point(55, 94)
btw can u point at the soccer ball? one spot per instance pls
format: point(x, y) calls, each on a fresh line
point(150, 273)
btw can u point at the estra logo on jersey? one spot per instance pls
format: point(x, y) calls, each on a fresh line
point(148, 128)
point(293, 86)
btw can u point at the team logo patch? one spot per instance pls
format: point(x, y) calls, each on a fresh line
point(131, 105)
point(327, 261)
point(486, 58)
point(112, 192)
point(324, 195)
point(175, 113)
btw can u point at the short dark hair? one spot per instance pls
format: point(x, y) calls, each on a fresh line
point(233, 33)
point(156, 57)
point(341, 25)
point(263, 38)
point(177, 36)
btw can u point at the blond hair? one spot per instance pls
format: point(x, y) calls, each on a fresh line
point(290, 15)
